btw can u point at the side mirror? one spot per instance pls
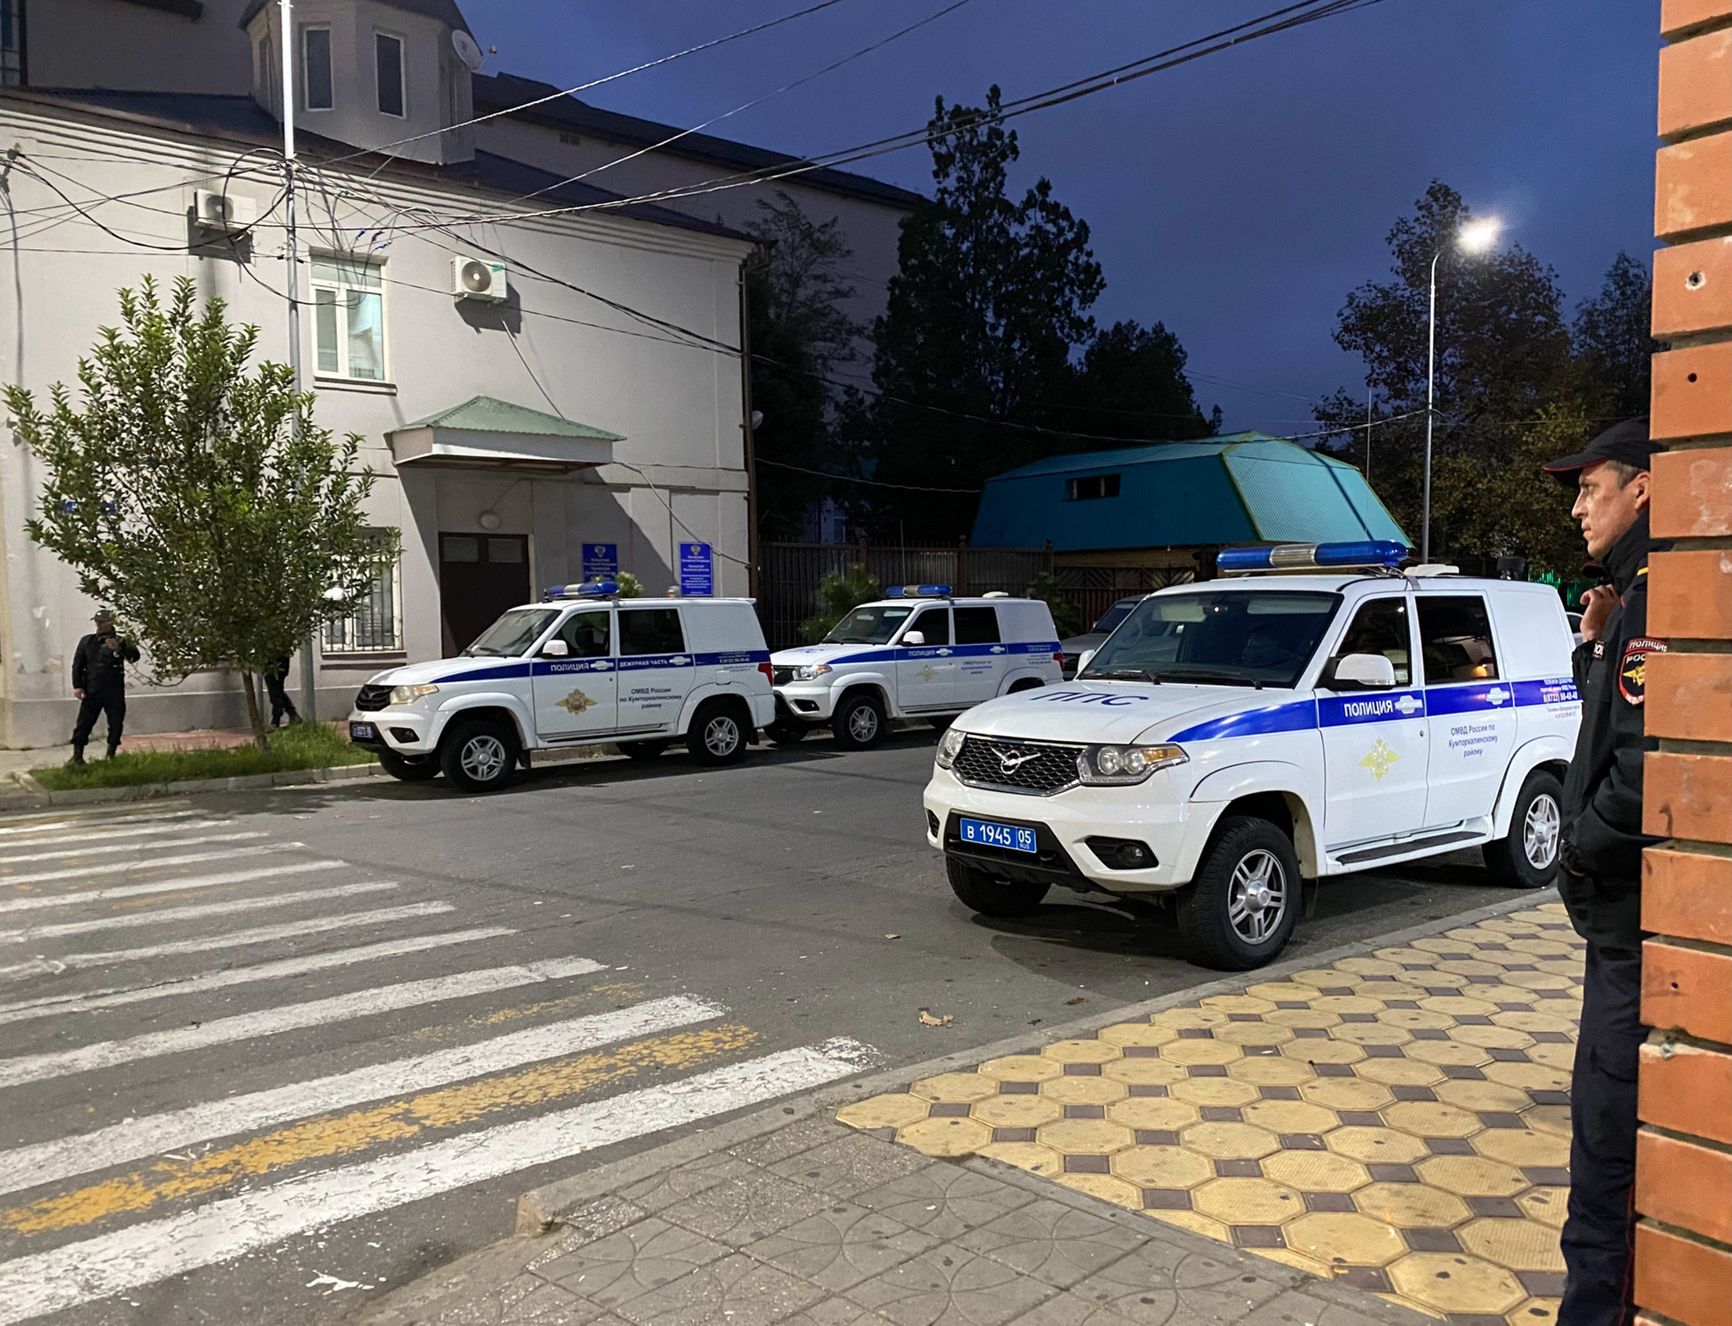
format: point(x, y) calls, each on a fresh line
point(1083, 660)
point(556, 649)
point(1369, 672)
point(912, 638)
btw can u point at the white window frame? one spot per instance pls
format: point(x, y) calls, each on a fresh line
point(341, 636)
point(307, 64)
point(341, 288)
point(402, 74)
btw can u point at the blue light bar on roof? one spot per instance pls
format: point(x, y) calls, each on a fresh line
point(917, 592)
point(589, 589)
point(1312, 557)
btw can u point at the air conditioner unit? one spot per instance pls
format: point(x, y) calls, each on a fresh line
point(476, 278)
point(226, 212)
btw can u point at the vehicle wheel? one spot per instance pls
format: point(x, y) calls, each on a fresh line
point(1240, 910)
point(859, 722)
point(642, 750)
point(479, 756)
point(1026, 684)
point(786, 732)
point(980, 892)
point(1528, 856)
point(717, 734)
point(409, 768)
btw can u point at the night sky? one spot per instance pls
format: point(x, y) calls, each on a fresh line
point(1237, 199)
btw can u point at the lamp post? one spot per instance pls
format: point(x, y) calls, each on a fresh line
point(1474, 237)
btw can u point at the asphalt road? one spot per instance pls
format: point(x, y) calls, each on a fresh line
point(266, 1054)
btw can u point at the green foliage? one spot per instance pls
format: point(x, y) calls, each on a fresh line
point(1065, 614)
point(299, 746)
point(195, 494)
point(1613, 349)
point(838, 595)
point(1131, 381)
point(630, 587)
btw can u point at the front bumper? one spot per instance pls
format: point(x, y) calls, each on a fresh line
point(1173, 830)
point(403, 730)
point(806, 701)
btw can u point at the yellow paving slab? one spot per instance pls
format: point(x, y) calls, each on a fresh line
point(1397, 1121)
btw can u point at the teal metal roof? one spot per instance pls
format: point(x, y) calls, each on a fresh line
point(1240, 488)
point(486, 414)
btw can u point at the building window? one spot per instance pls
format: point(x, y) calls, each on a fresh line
point(349, 318)
point(388, 62)
point(316, 68)
point(1090, 487)
point(376, 626)
point(12, 72)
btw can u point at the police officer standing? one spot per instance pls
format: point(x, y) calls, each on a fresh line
point(99, 682)
point(1600, 860)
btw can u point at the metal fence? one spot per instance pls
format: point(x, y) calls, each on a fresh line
point(791, 572)
point(1094, 589)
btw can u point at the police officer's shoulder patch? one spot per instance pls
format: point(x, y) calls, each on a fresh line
point(1633, 667)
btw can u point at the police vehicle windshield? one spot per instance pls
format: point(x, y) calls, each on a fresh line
point(871, 625)
point(513, 633)
point(1224, 638)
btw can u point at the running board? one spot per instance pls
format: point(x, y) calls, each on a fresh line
point(1406, 848)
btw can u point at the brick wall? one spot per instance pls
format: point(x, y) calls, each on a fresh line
point(1684, 1157)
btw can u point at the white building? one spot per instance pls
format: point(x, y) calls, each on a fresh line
point(602, 401)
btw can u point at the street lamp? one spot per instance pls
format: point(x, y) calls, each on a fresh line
point(1474, 237)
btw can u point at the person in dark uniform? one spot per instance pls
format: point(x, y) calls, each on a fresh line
point(1600, 865)
point(99, 682)
point(281, 705)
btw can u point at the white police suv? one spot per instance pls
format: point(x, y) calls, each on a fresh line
point(1233, 738)
point(581, 668)
point(918, 653)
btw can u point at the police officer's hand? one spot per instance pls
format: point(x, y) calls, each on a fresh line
point(1597, 605)
point(77, 694)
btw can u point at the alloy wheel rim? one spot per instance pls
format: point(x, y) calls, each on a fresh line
point(1541, 828)
point(483, 757)
point(863, 723)
point(1257, 896)
point(722, 735)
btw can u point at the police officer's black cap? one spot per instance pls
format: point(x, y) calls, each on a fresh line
point(102, 615)
point(1627, 442)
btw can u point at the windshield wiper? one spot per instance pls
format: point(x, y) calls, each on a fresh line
point(1210, 678)
point(1122, 674)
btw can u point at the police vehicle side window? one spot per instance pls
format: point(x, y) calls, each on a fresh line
point(650, 631)
point(588, 634)
point(1455, 638)
point(976, 626)
point(1380, 627)
point(934, 624)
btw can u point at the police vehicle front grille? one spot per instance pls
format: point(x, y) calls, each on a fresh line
point(1030, 767)
point(782, 676)
point(372, 698)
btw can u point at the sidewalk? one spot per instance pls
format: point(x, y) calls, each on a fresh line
point(1381, 1139)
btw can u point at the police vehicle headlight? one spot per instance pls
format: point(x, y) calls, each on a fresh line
point(410, 694)
point(949, 747)
point(1125, 764)
point(811, 671)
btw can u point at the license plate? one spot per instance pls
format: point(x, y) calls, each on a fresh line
point(363, 732)
point(1010, 837)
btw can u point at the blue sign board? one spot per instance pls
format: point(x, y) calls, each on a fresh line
point(600, 561)
point(697, 570)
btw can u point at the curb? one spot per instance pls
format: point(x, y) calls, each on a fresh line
point(541, 1209)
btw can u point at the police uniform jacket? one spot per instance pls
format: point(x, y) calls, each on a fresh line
point(99, 670)
point(1601, 851)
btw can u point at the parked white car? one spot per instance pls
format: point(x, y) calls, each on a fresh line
point(1233, 739)
point(918, 653)
point(580, 669)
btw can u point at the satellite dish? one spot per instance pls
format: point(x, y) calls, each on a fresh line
point(467, 50)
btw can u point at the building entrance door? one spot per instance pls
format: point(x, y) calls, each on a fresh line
point(480, 576)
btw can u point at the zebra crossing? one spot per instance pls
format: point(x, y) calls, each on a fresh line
point(217, 1043)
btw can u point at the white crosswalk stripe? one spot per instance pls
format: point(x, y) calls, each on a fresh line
point(265, 1149)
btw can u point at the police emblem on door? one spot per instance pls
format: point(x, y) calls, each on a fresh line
point(576, 703)
point(928, 674)
point(1379, 758)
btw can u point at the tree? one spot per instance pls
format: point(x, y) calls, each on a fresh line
point(1131, 382)
point(196, 495)
point(991, 297)
point(839, 595)
point(799, 331)
point(1614, 351)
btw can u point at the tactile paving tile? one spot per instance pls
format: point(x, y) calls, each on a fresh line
point(1397, 1121)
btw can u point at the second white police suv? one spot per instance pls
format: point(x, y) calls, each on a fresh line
point(585, 667)
point(1232, 739)
point(918, 653)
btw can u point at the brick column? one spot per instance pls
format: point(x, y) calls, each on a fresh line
point(1684, 1153)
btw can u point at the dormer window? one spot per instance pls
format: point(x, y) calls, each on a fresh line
point(316, 78)
point(388, 61)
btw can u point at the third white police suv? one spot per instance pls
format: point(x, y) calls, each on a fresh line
point(582, 668)
point(918, 653)
point(1234, 738)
